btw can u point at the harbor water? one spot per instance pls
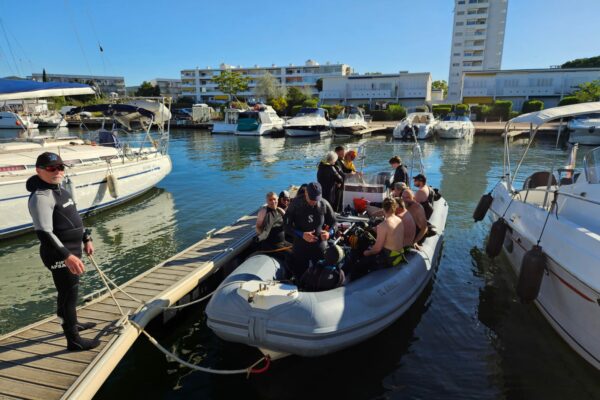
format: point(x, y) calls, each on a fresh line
point(466, 337)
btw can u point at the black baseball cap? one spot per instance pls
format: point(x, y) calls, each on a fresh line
point(48, 159)
point(314, 191)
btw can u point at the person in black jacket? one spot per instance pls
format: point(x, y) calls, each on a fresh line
point(310, 221)
point(342, 171)
point(60, 230)
point(329, 178)
point(400, 173)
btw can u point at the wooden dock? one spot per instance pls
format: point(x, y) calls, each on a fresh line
point(34, 362)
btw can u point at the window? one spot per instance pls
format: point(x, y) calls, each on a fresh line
point(461, 1)
point(458, 34)
point(511, 83)
point(456, 54)
point(460, 13)
point(456, 65)
point(460, 23)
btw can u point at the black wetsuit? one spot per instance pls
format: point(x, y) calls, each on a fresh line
point(329, 178)
point(301, 217)
point(272, 235)
point(60, 230)
point(339, 191)
point(400, 175)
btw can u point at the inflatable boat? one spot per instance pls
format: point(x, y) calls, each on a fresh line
point(252, 306)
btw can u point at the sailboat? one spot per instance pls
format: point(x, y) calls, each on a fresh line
point(103, 169)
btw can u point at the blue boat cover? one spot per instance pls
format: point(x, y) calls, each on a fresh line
point(11, 89)
point(111, 109)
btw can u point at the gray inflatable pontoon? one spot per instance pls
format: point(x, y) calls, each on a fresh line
point(253, 308)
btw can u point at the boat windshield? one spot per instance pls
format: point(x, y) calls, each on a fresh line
point(248, 115)
point(305, 111)
point(591, 163)
point(461, 118)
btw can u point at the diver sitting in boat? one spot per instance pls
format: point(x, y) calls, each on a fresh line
point(410, 228)
point(284, 200)
point(269, 225)
point(388, 250)
point(308, 220)
point(423, 196)
point(418, 214)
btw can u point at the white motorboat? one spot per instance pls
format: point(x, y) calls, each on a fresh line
point(105, 170)
point(309, 122)
point(229, 123)
point(455, 127)
point(349, 122)
point(419, 124)
point(13, 120)
point(261, 120)
point(585, 130)
point(50, 120)
point(549, 228)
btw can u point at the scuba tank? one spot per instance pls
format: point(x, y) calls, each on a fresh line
point(484, 204)
point(69, 186)
point(113, 188)
point(496, 239)
point(531, 274)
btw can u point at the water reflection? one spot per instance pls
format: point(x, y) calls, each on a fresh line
point(127, 239)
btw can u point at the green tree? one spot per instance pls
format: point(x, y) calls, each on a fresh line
point(147, 89)
point(231, 83)
point(295, 97)
point(589, 91)
point(591, 62)
point(44, 76)
point(441, 84)
point(279, 104)
point(319, 84)
point(268, 88)
point(567, 100)
point(310, 103)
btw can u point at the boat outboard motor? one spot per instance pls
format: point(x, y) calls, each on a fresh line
point(484, 204)
point(533, 266)
point(496, 239)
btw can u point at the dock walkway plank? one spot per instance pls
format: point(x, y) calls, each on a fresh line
point(34, 361)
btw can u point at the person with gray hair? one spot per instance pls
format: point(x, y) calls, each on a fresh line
point(329, 177)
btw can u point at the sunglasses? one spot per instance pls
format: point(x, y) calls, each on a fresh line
point(54, 168)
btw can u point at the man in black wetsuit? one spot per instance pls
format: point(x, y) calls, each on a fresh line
point(400, 171)
point(60, 230)
point(305, 220)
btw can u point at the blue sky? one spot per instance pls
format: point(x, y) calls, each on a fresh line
point(146, 39)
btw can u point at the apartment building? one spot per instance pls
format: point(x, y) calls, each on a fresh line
point(519, 85)
point(199, 82)
point(477, 40)
point(168, 87)
point(107, 84)
point(408, 89)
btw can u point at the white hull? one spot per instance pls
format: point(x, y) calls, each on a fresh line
point(263, 129)
point(220, 127)
point(134, 177)
point(569, 292)
point(10, 120)
point(317, 131)
point(423, 122)
point(455, 132)
point(585, 137)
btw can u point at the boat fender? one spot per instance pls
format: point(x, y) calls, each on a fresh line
point(484, 204)
point(70, 187)
point(113, 188)
point(533, 266)
point(496, 239)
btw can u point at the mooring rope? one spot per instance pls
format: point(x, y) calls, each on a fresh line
point(125, 318)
